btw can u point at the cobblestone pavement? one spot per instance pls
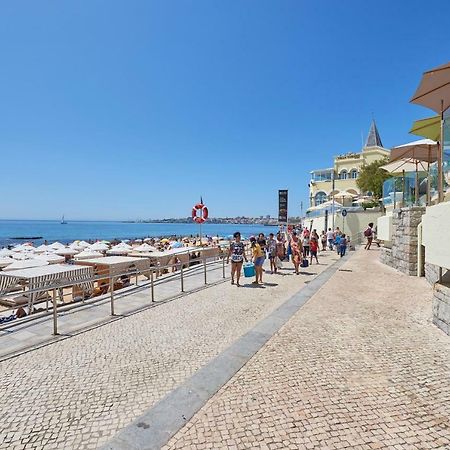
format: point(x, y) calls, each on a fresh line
point(359, 366)
point(79, 392)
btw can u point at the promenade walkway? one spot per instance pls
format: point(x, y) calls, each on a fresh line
point(359, 366)
point(78, 392)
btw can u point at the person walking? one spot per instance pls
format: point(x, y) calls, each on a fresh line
point(305, 243)
point(237, 254)
point(272, 252)
point(330, 238)
point(314, 247)
point(258, 260)
point(323, 240)
point(296, 248)
point(343, 245)
point(337, 243)
point(281, 249)
point(368, 233)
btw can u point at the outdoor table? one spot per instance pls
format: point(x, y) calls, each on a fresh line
point(42, 279)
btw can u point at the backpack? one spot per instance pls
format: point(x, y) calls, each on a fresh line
point(368, 232)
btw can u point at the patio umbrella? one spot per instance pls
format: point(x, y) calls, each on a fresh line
point(145, 248)
point(88, 254)
point(42, 248)
point(176, 244)
point(5, 252)
point(428, 128)
point(25, 264)
point(66, 251)
point(434, 93)
point(99, 246)
point(57, 245)
point(117, 250)
point(51, 258)
point(5, 261)
point(415, 157)
point(84, 244)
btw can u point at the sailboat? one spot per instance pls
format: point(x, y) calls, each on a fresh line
point(63, 222)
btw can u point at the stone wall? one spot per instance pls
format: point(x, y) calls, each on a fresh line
point(403, 254)
point(441, 306)
point(431, 273)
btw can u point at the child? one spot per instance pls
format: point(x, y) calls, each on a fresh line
point(343, 245)
point(314, 247)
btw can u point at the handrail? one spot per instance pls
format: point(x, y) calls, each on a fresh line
point(180, 271)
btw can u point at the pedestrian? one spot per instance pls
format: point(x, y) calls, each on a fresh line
point(330, 238)
point(305, 243)
point(337, 243)
point(368, 233)
point(262, 242)
point(272, 252)
point(343, 245)
point(323, 240)
point(258, 260)
point(296, 248)
point(281, 249)
point(237, 254)
point(314, 247)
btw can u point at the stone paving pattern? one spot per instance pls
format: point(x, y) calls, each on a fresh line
point(359, 366)
point(79, 392)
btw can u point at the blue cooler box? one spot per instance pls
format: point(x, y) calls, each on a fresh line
point(249, 270)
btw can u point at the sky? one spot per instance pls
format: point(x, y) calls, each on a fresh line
point(129, 110)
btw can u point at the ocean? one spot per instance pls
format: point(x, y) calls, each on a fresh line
point(52, 231)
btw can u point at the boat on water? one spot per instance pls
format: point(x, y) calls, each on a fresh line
point(63, 222)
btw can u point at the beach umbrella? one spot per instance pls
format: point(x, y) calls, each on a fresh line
point(57, 245)
point(42, 248)
point(5, 261)
point(99, 246)
point(415, 157)
point(145, 248)
point(76, 246)
point(125, 241)
point(26, 264)
point(138, 241)
point(428, 128)
point(22, 255)
point(51, 258)
point(176, 244)
point(23, 248)
point(116, 250)
point(88, 254)
point(164, 241)
point(147, 239)
point(67, 251)
point(84, 244)
point(434, 92)
point(5, 252)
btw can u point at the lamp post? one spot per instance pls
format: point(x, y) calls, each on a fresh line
point(332, 207)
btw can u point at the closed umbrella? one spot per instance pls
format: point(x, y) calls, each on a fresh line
point(434, 92)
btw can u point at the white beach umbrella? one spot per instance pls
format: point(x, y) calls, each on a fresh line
point(118, 251)
point(88, 254)
point(43, 248)
point(25, 264)
point(138, 241)
point(67, 251)
point(145, 248)
point(84, 244)
point(57, 245)
point(23, 248)
point(76, 246)
point(125, 241)
point(22, 255)
point(5, 252)
point(51, 258)
point(99, 246)
point(5, 261)
point(122, 245)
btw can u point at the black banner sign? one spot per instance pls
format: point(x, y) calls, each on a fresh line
point(283, 206)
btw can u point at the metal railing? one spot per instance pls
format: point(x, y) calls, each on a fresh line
point(194, 267)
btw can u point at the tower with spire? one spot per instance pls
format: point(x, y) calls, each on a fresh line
point(373, 138)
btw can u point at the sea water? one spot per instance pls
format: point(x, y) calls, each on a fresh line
point(52, 231)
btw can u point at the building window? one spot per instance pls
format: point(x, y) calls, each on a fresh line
point(343, 175)
point(353, 173)
point(321, 197)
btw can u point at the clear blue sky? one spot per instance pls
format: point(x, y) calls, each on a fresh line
point(133, 109)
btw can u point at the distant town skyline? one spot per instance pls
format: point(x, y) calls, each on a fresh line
point(138, 109)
